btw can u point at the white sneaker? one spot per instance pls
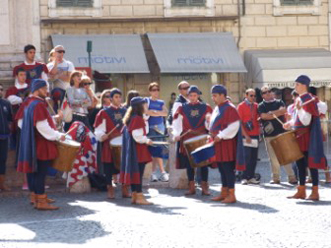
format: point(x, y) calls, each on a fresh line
point(244, 182)
point(253, 181)
point(164, 177)
point(154, 178)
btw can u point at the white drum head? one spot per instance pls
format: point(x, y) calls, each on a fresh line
point(193, 139)
point(70, 142)
point(116, 141)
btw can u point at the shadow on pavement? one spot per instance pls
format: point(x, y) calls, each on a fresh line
point(61, 226)
point(282, 186)
point(315, 203)
point(250, 206)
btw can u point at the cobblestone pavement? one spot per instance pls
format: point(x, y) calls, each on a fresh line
point(262, 217)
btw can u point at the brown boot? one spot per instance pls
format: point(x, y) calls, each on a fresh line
point(191, 188)
point(110, 192)
point(42, 203)
point(133, 197)
point(125, 191)
point(224, 193)
point(314, 196)
point(33, 199)
point(231, 198)
point(3, 187)
point(140, 200)
point(300, 194)
point(205, 188)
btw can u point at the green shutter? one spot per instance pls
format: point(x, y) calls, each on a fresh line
point(74, 3)
point(197, 2)
point(296, 2)
point(188, 3)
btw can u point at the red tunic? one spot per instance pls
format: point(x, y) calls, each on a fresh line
point(303, 132)
point(46, 149)
point(106, 156)
point(32, 71)
point(197, 130)
point(226, 150)
point(143, 153)
point(247, 114)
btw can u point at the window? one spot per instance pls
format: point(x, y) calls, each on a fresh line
point(74, 3)
point(296, 7)
point(187, 3)
point(175, 8)
point(296, 2)
point(81, 8)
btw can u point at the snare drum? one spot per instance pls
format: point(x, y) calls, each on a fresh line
point(194, 143)
point(204, 153)
point(286, 148)
point(116, 150)
point(67, 151)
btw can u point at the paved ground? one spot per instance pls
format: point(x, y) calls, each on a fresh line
point(263, 217)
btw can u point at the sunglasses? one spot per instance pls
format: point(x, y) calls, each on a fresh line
point(1, 89)
point(85, 84)
point(185, 88)
point(265, 92)
point(252, 95)
point(154, 90)
point(107, 96)
point(61, 51)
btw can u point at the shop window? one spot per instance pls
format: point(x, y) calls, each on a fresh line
point(296, 7)
point(174, 8)
point(74, 3)
point(81, 8)
point(187, 3)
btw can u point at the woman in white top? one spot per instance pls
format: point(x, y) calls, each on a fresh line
point(78, 100)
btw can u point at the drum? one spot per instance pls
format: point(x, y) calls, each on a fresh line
point(116, 151)
point(67, 151)
point(204, 153)
point(286, 148)
point(194, 143)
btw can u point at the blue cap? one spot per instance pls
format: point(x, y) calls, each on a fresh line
point(194, 89)
point(218, 89)
point(36, 84)
point(114, 92)
point(303, 79)
point(137, 100)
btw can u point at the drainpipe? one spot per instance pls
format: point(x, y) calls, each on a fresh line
point(239, 22)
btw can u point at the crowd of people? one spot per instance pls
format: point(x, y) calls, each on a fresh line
point(48, 100)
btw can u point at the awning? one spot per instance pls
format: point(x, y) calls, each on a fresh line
point(280, 68)
point(196, 53)
point(110, 53)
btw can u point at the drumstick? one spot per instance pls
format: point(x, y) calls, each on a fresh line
point(278, 119)
point(160, 143)
point(188, 131)
point(111, 131)
point(50, 107)
point(70, 130)
point(305, 103)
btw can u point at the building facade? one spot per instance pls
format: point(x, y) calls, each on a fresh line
point(254, 24)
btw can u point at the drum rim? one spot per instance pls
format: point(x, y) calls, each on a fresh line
point(190, 141)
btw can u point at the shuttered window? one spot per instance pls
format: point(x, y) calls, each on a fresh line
point(296, 2)
point(74, 3)
point(186, 3)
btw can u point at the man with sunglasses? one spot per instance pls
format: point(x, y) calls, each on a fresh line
point(251, 129)
point(182, 87)
point(60, 69)
point(269, 109)
point(33, 69)
point(5, 120)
